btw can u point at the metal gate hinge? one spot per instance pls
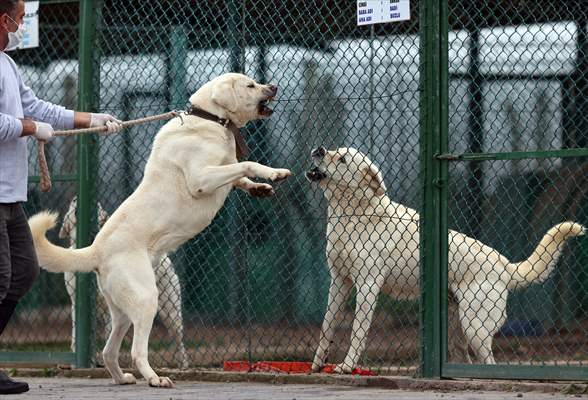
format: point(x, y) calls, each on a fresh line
point(439, 183)
point(447, 157)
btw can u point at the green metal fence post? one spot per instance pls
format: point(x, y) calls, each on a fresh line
point(443, 182)
point(433, 228)
point(84, 155)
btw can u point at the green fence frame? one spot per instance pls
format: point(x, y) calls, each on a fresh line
point(82, 357)
point(85, 152)
point(434, 233)
point(433, 137)
point(433, 19)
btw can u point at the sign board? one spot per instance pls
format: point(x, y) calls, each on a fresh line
point(31, 25)
point(381, 11)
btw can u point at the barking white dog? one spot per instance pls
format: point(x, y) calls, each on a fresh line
point(168, 284)
point(372, 243)
point(190, 172)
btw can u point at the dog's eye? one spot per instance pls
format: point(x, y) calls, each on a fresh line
point(342, 160)
point(251, 85)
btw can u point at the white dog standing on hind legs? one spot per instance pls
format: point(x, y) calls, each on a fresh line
point(168, 284)
point(372, 244)
point(190, 172)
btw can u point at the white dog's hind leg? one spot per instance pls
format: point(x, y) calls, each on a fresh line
point(482, 309)
point(457, 343)
point(142, 324)
point(120, 325)
point(131, 286)
point(367, 295)
point(338, 292)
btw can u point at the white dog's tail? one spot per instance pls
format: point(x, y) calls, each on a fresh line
point(539, 265)
point(54, 258)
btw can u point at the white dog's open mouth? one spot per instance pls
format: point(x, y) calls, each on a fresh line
point(263, 108)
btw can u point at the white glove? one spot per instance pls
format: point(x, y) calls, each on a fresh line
point(43, 131)
point(113, 124)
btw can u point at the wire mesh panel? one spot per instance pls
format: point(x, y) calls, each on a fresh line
point(518, 83)
point(254, 285)
point(328, 269)
point(42, 320)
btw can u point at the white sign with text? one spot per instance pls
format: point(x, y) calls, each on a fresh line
point(381, 11)
point(31, 25)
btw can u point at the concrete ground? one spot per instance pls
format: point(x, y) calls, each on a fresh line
point(102, 389)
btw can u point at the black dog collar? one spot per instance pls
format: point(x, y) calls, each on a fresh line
point(241, 147)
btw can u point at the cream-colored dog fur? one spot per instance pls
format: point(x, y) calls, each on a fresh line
point(372, 244)
point(190, 172)
point(168, 285)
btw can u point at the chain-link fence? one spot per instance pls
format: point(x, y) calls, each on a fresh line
point(259, 282)
point(41, 323)
point(520, 84)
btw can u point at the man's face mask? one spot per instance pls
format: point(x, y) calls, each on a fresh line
point(15, 38)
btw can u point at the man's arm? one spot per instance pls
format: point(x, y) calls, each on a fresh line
point(39, 110)
point(57, 116)
point(23, 127)
point(10, 127)
point(28, 127)
point(61, 118)
point(82, 119)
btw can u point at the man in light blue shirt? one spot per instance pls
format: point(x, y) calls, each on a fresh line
point(22, 115)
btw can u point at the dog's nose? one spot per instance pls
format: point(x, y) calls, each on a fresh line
point(319, 152)
point(273, 89)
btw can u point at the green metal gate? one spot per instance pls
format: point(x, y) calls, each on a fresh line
point(507, 178)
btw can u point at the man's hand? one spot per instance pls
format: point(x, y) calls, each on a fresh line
point(113, 125)
point(43, 131)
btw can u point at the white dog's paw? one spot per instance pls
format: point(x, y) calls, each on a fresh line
point(279, 174)
point(161, 381)
point(343, 368)
point(316, 366)
point(261, 190)
point(127, 379)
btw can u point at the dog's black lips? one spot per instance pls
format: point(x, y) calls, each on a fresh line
point(315, 175)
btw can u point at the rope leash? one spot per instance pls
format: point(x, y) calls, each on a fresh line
point(45, 181)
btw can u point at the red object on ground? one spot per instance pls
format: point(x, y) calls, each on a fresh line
point(288, 367)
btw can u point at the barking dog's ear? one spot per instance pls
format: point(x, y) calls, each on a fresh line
point(224, 95)
point(69, 219)
point(102, 216)
point(375, 180)
point(66, 227)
